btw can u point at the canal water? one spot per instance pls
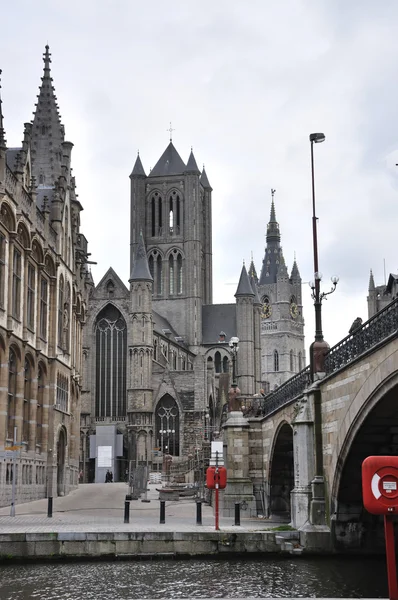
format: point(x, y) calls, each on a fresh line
point(321, 577)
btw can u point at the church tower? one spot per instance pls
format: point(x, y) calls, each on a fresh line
point(282, 326)
point(172, 206)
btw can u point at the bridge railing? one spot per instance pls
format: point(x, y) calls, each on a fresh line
point(378, 328)
point(284, 394)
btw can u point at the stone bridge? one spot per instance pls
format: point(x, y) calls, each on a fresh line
point(307, 440)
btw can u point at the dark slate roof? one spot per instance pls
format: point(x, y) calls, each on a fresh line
point(140, 270)
point(170, 163)
point(253, 283)
point(138, 169)
point(295, 271)
point(391, 280)
point(44, 191)
point(192, 167)
point(244, 287)
point(273, 256)
point(11, 155)
point(371, 281)
point(204, 180)
point(217, 318)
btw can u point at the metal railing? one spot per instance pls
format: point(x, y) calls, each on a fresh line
point(379, 327)
point(286, 393)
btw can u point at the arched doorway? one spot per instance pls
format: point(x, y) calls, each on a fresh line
point(61, 455)
point(282, 474)
point(353, 528)
point(168, 426)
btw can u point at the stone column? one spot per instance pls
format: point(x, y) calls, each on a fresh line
point(239, 485)
point(32, 414)
point(304, 464)
point(3, 395)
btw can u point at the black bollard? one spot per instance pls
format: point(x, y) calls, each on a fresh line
point(127, 511)
point(198, 512)
point(162, 512)
point(50, 507)
point(237, 513)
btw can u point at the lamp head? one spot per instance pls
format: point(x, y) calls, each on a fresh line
point(233, 342)
point(317, 137)
point(334, 280)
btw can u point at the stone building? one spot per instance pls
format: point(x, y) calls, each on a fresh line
point(381, 295)
point(282, 321)
point(43, 292)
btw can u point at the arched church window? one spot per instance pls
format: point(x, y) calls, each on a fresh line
point(160, 215)
point(179, 274)
point(291, 360)
point(225, 364)
point(167, 426)
point(217, 362)
point(151, 267)
point(171, 217)
point(12, 392)
point(111, 352)
point(300, 361)
point(153, 213)
point(178, 216)
point(60, 310)
point(155, 349)
point(276, 360)
point(159, 275)
point(171, 275)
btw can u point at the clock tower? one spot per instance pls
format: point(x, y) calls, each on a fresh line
point(282, 322)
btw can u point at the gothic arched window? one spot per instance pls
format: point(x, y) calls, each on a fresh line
point(111, 352)
point(225, 364)
point(179, 274)
point(291, 360)
point(159, 275)
point(60, 310)
point(171, 275)
point(167, 426)
point(276, 360)
point(217, 362)
point(12, 392)
point(300, 361)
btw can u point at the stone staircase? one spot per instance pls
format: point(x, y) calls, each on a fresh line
point(289, 542)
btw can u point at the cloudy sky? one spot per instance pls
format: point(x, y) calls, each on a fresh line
point(244, 83)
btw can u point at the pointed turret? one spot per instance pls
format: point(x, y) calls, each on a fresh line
point(295, 275)
point(253, 284)
point(140, 270)
point(170, 163)
point(47, 132)
point(252, 271)
point(192, 167)
point(138, 169)
point(244, 287)
point(3, 143)
point(204, 180)
point(273, 257)
point(372, 286)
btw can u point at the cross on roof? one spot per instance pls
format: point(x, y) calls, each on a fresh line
point(170, 130)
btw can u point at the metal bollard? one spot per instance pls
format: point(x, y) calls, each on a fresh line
point(162, 519)
point(237, 513)
point(50, 507)
point(198, 512)
point(127, 511)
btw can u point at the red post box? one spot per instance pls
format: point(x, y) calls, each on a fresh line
point(380, 484)
point(216, 475)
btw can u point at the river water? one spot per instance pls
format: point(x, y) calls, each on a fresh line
point(268, 577)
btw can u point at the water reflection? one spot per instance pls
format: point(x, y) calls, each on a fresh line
point(342, 577)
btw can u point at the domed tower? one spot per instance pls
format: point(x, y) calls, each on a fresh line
point(282, 322)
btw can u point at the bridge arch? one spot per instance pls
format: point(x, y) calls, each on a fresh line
point(369, 427)
point(281, 472)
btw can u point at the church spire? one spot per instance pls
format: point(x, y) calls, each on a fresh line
point(3, 143)
point(273, 261)
point(204, 180)
point(372, 286)
point(192, 166)
point(47, 131)
point(244, 286)
point(252, 271)
point(138, 169)
point(273, 234)
point(140, 270)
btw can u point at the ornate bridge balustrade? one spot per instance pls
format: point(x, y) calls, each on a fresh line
point(380, 327)
point(286, 393)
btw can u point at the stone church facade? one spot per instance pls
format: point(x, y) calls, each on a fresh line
point(44, 283)
point(158, 364)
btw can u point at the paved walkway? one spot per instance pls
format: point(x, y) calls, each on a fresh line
point(100, 507)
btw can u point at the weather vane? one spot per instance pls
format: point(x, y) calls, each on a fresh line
point(170, 130)
point(272, 193)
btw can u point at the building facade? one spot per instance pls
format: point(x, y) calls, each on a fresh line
point(44, 285)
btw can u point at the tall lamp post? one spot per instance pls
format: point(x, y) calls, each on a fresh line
point(233, 344)
point(319, 346)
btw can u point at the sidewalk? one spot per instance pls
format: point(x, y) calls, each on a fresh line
point(100, 508)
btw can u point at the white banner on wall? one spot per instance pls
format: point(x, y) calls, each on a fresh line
point(104, 456)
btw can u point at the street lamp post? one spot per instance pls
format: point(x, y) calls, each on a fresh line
point(319, 346)
point(233, 344)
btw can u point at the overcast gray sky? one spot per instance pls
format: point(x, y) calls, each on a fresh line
point(244, 83)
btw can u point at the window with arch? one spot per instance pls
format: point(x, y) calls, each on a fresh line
point(30, 297)
point(16, 284)
point(60, 310)
point(179, 274)
point(167, 426)
point(291, 360)
point(300, 361)
point(156, 269)
point(171, 217)
point(26, 400)
point(40, 402)
point(2, 268)
point(66, 319)
point(217, 362)
point(225, 364)
point(174, 213)
point(155, 349)
point(171, 275)
point(43, 307)
point(175, 272)
point(276, 360)
point(111, 354)
point(12, 392)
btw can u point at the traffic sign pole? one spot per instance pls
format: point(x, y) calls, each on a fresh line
point(390, 555)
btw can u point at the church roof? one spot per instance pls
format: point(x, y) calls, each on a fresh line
point(170, 163)
point(273, 261)
point(192, 167)
point(11, 157)
point(217, 318)
point(252, 271)
point(140, 270)
point(371, 281)
point(253, 283)
point(204, 180)
point(138, 169)
point(393, 278)
point(295, 271)
point(244, 287)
